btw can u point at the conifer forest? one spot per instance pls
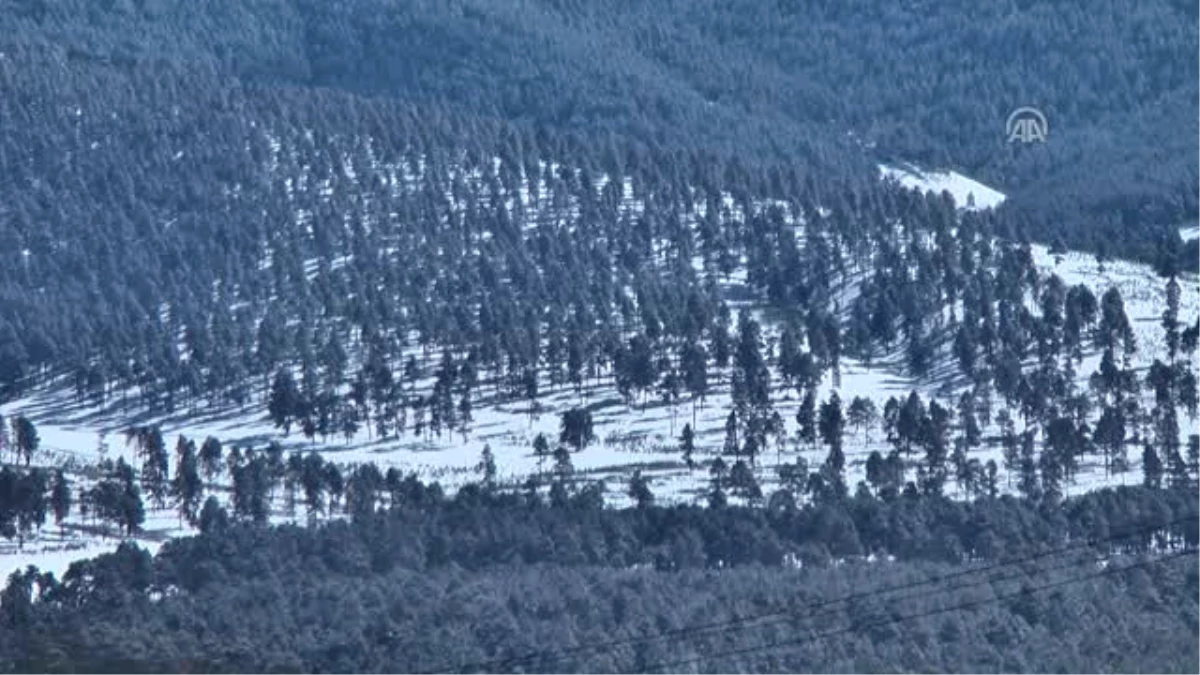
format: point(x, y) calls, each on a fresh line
point(461, 336)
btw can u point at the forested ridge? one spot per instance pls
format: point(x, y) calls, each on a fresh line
point(806, 82)
point(504, 582)
point(119, 152)
point(396, 217)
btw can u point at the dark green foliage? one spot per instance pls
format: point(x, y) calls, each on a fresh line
point(150, 157)
point(25, 438)
point(210, 458)
point(117, 498)
point(639, 490)
point(152, 449)
point(575, 428)
point(60, 497)
point(171, 113)
point(687, 446)
point(487, 468)
point(486, 580)
point(186, 486)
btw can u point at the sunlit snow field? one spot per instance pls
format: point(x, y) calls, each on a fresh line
point(642, 435)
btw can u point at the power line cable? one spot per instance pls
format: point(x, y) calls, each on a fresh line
point(492, 665)
point(918, 615)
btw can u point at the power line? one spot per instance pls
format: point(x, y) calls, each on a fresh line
point(919, 615)
point(493, 665)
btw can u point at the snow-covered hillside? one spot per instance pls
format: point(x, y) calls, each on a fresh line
point(642, 435)
point(967, 192)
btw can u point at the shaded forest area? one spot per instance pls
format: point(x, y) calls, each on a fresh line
point(138, 185)
point(182, 186)
point(502, 582)
point(824, 84)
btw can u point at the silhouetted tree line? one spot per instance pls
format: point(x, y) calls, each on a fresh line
point(378, 591)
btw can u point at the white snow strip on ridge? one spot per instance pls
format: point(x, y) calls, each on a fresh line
point(1190, 233)
point(968, 193)
point(59, 559)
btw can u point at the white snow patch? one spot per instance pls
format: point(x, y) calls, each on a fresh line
point(967, 192)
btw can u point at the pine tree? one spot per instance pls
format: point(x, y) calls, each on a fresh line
point(832, 422)
point(487, 467)
point(1178, 476)
point(911, 423)
point(1052, 474)
point(1028, 484)
point(1115, 329)
point(541, 448)
point(687, 445)
point(743, 484)
point(716, 493)
point(119, 499)
point(186, 487)
point(285, 400)
point(155, 463)
point(862, 415)
point(29, 502)
point(312, 482)
point(60, 498)
point(991, 483)
point(1110, 435)
point(639, 365)
point(250, 489)
point(806, 418)
point(1187, 391)
point(935, 437)
point(25, 438)
point(335, 484)
point(751, 385)
point(694, 364)
point(1193, 456)
point(576, 428)
point(794, 477)
point(968, 419)
point(210, 458)
point(1170, 319)
point(639, 490)
point(562, 463)
point(1152, 468)
point(575, 360)
point(731, 447)
point(752, 447)
point(831, 426)
point(1062, 446)
point(213, 517)
point(293, 475)
point(1010, 444)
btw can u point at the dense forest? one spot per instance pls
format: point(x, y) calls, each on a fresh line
point(118, 152)
point(822, 84)
point(389, 216)
point(491, 581)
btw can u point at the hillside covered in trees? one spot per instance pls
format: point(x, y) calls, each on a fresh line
point(519, 232)
point(493, 582)
point(119, 151)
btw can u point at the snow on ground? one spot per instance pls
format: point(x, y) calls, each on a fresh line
point(1190, 232)
point(642, 434)
point(967, 193)
point(56, 557)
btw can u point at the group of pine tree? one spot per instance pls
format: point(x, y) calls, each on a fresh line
point(352, 229)
point(1061, 425)
point(346, 264)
